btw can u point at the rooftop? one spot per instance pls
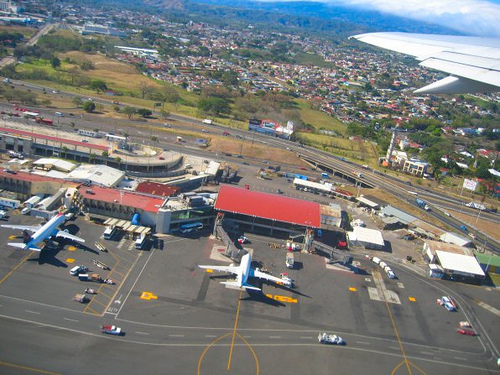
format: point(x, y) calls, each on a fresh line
point(268, 206)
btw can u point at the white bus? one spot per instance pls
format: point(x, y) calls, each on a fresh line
point(89, 133)
point(109, 232)
point(115, 138)
point(186, 228)
point(140, 242)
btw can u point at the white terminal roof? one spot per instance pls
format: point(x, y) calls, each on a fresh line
point(367, 202)
point(97, 174)
point(62, 165)
point(454, 238)
point(366, 235)
point(459, 262)
point(310, 184)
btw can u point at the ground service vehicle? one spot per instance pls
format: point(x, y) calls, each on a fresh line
point(111, 330)
point(325, 338)
point(242, 240)
point(289, 260)
point(466, 331)
point(78, 270)
point(82, 298)
point(447, 302)
point(109, 232)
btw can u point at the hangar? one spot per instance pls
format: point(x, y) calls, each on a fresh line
point(266, 214)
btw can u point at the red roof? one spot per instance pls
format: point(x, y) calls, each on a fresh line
point(154, 188)
point(268, 206)
point(57, 139)
point(124, 198)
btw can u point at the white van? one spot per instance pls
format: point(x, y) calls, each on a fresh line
point(74, 271)
point(25, 210)
point(59, 114)
point(376, 260)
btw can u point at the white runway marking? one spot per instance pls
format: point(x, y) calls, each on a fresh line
point(176, 335)
point(32, 312)
point(210, 336)
point(142, 333)
point(274, 337)
point(363, 342)
point(307, 337)
point(427, 353)
point(71, 320)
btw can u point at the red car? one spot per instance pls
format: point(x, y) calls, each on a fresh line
point(466, 331)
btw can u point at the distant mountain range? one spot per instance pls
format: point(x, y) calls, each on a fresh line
point(334, 21)
point(352, 18)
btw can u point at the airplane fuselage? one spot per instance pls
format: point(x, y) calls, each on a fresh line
point(46, 230)
point(245, 268)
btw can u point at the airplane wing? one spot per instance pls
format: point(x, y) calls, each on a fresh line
point(68, 236)
point(31, 228)
point(24, 246)
point(265, 276)
point(472, 62)
point(229, 269)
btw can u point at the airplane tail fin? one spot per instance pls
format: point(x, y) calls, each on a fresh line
point(23, 246)
point(237, 285)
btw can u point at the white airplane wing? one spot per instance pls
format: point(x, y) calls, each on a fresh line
point(265, 276)
point(31, 228)
point(69, 236)
point(472, 62)
point(229, 269)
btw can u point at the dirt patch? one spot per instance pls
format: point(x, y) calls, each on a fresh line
point(253, 150)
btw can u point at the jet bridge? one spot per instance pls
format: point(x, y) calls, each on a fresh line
point(333, 255)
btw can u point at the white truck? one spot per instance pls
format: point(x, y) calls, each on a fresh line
point(326, 338)
point(289, 260)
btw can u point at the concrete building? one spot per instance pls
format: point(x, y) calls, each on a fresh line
point(415, 167)
point(365, 237)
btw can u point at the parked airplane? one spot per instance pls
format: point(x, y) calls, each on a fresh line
point(243, 272)
point(473, 62)
point(41, 233)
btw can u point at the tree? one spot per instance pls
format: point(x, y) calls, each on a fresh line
point(214, 105)
point(165, 114)
point(145, 88)
point(129, 111)
point(88, 106)
point(170, 95)
point(98, 85)
point(77, 101)
point(144, 112)
point(87, 65)
point(55, 62)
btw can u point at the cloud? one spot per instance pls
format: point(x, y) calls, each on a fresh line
point(475, 17)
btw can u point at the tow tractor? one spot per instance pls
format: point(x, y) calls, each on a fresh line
point(111, 330)
point(326, 338)
point(82, 298)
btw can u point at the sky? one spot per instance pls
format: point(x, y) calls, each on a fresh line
point(471, 17)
